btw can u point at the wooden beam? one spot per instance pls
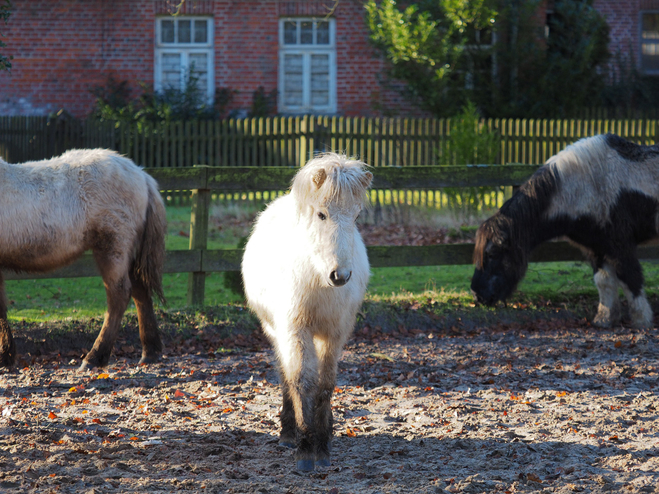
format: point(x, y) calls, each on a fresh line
point(187, 261)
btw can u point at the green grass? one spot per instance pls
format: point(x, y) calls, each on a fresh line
point(48, 299)
point(42, 300)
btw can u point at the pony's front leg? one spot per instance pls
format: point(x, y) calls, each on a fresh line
point(608, 312)
point(288, 436)
point(7, 345)
point(328, 351)
point(299, 373)
point(117, 289)
point(630, 274)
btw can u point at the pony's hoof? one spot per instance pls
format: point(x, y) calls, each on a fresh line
point(90, 364)
point(643, 324)
point(8, 358)
point(603, 322)
point(85, 366)
point(305, 465)
point(287, 443)
point(323, 462)
point(149, 359)
point(7, 346)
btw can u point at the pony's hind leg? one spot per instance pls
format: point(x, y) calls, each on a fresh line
point(7, 345)
point(118, 290)
point(608, 312)
point(151, 343)
point(630, 274)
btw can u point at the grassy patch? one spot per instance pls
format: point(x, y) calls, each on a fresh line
point(546, 284)
point(560, 283)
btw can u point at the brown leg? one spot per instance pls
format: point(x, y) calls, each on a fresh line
point(7, 345)
point(299, 371)
point(151, 344)
point(328, 355)
point(288, 427)
point(117, 289)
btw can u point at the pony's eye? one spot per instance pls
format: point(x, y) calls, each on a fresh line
point(322, 216)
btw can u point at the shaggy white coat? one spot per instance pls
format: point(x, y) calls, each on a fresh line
point(295, 246)
point(50, 208)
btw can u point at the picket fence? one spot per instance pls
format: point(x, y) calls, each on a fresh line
point(290, 141)
point(202, 180)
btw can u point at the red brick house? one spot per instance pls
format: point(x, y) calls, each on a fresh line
point(318, 63)
point(62, 48)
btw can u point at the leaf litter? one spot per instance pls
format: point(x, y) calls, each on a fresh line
point(539, 406)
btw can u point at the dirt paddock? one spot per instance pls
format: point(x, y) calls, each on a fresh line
point(556, 406)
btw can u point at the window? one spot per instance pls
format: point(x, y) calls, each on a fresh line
point(650, 42)
point(184, 51)
point(307, 66)
point(480, 60)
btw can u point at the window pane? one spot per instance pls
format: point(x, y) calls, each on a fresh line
point(650, 26)
point(322, 33)
point(290, 33)
point(167, 32)
point(199, 71)
point(200, 31)
point(171, 71)
point(184, 28)
point(306, 33)
point(319, 80)
point(293, 83)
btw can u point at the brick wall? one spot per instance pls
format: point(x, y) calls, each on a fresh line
point(622, 17)
point(62, 48)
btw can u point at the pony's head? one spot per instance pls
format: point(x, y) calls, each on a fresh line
point(330, 192)
point(500, 261)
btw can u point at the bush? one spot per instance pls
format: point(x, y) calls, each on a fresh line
point(114, 102)
point(470, 143)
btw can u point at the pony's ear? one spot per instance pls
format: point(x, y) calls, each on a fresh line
point(319, 177)
point(366, 179)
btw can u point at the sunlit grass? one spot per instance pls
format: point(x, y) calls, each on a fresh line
point(47, 299)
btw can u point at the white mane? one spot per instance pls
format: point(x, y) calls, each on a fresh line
point(343, 179)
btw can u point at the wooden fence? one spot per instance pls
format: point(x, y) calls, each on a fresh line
point(202, 180)
point(290, 141)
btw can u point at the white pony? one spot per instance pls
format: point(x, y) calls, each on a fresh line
point(305, 272)
point(93, 199)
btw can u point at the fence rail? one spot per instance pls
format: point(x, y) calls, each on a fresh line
point(290, 141)
point(198, 260)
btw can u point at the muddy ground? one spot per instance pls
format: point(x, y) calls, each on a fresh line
point(549, 404)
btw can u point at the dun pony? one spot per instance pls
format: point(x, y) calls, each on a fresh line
point(54, 210)
point(602, 193)
point(305, 272)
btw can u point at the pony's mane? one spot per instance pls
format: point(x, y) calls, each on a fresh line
point(584, 160)
point(512, 224)
point(586, 157)
point(344, 179)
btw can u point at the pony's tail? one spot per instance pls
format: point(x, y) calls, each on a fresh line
point(150, 256)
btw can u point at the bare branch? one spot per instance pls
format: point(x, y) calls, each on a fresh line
point(330, 11)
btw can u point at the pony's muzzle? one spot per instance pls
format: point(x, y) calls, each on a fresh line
point(339, 279)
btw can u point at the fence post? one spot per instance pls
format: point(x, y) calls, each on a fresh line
point(304, 140)
point(200, 212)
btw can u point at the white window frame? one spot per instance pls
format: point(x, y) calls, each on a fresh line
point(306, 50)
point(185, 50)
point(469, 73)
point(641, 42)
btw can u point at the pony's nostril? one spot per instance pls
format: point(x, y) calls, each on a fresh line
point(337, 280)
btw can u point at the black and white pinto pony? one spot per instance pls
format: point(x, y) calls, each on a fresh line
point(54, 210)
point(602, 193)
point(305, 272)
